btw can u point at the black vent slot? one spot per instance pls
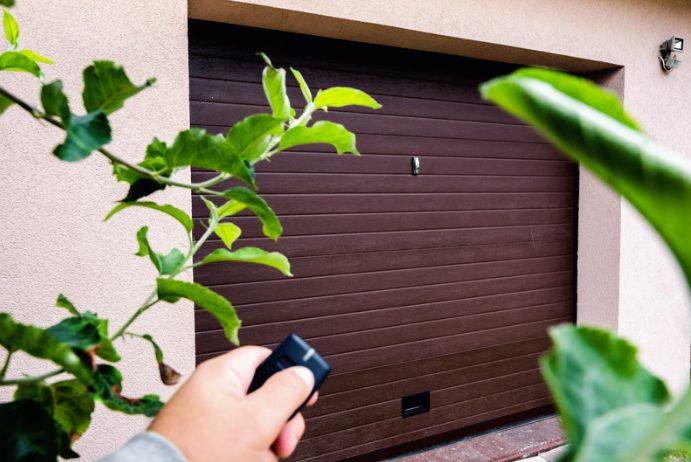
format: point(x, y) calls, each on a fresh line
point(415, 404)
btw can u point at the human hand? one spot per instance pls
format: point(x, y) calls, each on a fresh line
point(211, 417)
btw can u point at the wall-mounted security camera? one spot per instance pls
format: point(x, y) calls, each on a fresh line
point(668, 53)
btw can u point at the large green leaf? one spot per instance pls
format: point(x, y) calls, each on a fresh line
point(655, 180)
point(198, 148)
point(165, 264)
point(85, 134)
point(171, 291)
point(184, 219)
point(7, 3)
point(274, 83)
point(32, 55)
point(228, 232)
point(41, 344)
point(106, 87)
point(344, 96)
point(11, 28)
point(590, 373)
point(254, 135)
point(28, 433)
point(107, 388)
point(323, 132)
point(86, 332)
point(68, 402)
point(250, 255)
point(271, 226)
point(105, 348)
point(17, 62)
point(55, 102)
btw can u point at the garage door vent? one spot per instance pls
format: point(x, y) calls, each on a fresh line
point(415, 404)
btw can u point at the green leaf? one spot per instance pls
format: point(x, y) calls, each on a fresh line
point(274, 83)
point(213, 210)
point(32, 55)
point(55, 102)
point(11, 28)
point(584, 90)
point(141, 185)
point(63, 302)
point(230, 208)
point(105, 348)
point(7, 3)
point(198, 148)
point(184, 219)
point(168, 375)
point(41, 344)
point(106, 87)
point(344, 96)
point(75, 332)
point(306, 93)
point(271, 226)
point(655, 180)
point(85, 134)
point(253, 136)
point(590, 373)
point(171, 291)
point(251, 255)
point(228, 232)
point(321, 132)
point(5, 103)
point(165, 264)
point(14, 61)
point(107, 388)
point(28, 433)
point(68, 402)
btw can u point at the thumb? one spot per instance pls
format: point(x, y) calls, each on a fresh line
point(281, 395)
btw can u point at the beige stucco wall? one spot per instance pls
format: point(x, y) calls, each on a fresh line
point(53, 238)
point(627, 280)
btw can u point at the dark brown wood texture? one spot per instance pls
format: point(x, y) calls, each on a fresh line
point(444, 282)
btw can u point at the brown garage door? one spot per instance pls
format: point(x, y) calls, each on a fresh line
point(443, 282)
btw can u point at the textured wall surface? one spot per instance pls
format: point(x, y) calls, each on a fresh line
point(627, 279)
point(53, 238)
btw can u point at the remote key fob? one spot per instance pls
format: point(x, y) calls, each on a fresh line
point(293, 351)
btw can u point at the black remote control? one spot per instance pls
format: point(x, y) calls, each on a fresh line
point(293, 351)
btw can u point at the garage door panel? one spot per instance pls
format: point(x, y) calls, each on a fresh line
point(205, 93)
point(431, 379)
point(207, 67)
point(444, 282)
point(390, 427)
point(407, 221)
point(288, 204)
point(302, 267)
point(465, 363)
point(319, 286)
point(363, 335)
point(522, 286)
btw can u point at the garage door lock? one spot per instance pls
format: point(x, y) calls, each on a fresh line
point(415, 165)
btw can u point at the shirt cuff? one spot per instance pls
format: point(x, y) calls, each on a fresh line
point(148, 446)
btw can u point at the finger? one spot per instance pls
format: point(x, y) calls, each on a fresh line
point(289, 437)
point(313, 399)
point(280, 396)
point(236, 368)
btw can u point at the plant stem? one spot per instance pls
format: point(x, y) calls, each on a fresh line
point(150, 301)
point(7, 364)
point(199, 187)
point(31, 378)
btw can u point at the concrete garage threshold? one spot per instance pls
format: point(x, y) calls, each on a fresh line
point(539, 440)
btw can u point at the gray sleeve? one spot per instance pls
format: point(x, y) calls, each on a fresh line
point(148, 446)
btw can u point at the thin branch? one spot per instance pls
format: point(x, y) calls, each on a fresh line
point(7, 364)
point(150, 301)
point(31, 378)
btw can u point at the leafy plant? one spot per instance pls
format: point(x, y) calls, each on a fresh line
point(46, 417)
point(612, 409)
